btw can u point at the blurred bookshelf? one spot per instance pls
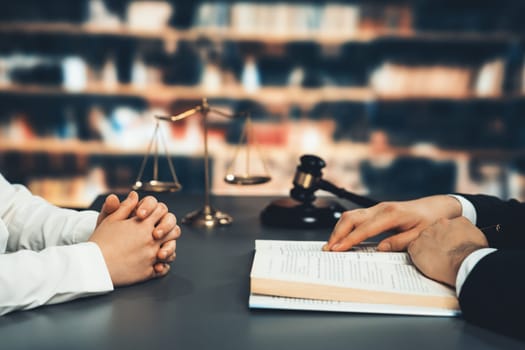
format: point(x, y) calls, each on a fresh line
point(427, 91)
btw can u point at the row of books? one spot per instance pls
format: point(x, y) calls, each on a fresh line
point(389, 79)
point(292, 18)
point(75, 73)
point(392, 80)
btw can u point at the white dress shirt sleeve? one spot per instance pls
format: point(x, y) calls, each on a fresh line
point(473, 258)
point(467, 208)
point(44, 256)
point(29, 279)
point(35, 224)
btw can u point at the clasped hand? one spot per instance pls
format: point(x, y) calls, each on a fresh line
point(137, 239)
point(432, 229)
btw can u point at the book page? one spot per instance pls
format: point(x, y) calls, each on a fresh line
point(359, 270)
point(363, 251)
point(306, 245)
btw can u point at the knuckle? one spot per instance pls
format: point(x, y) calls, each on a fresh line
point(150, 199)
point(411, 248)
point(163, 207)
point(152, 253)
point(169, 246)
point(171, 218)
point(388, 207)
point(174, 233)
point(350, 215)
point(347, 215)
point(443, 221)
point(360, 212)
point(425, 234)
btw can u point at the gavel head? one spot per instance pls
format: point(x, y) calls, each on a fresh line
point(307, 177)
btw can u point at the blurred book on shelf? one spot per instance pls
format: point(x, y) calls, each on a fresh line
point(489, 81)
point(149, 15)
point(396, 80)
point(300, 20)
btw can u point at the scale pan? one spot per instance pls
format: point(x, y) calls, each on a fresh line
point(246, 180)
point(157, 186)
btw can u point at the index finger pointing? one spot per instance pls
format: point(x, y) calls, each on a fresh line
point(375, 220)
point(346, 224)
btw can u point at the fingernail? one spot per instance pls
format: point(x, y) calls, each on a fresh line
point(336, 246)
point(384, 246)
point(142, 212)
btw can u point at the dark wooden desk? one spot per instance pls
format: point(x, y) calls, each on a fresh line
point(203, 304)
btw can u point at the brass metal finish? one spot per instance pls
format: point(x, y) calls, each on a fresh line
point(247, 178)
point(155, 185)
point(207, 216)
point(304, 179)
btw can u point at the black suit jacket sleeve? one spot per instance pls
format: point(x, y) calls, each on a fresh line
point(509, 214)
point(493, 295)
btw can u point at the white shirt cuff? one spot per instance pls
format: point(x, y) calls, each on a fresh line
point(468, 265)
point(467, 208)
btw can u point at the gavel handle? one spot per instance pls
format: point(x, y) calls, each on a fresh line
point(342, 193)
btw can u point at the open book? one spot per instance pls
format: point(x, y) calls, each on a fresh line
point(298, 275)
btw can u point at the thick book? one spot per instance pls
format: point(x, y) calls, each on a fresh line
point(298, 275)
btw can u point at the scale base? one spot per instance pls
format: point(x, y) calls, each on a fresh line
point(288, 213)
point(207, 217)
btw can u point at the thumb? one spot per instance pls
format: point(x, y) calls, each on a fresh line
point(111, 204)
point(398, 242)
point(126, 208)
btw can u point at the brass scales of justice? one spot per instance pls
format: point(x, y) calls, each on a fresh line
point(207, 216)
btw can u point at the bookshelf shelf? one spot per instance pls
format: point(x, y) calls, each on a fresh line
point(166, 94)
point(283, 96)
point(97, 148)
point(64, 28)
point(226, 34)
point(56, 146)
